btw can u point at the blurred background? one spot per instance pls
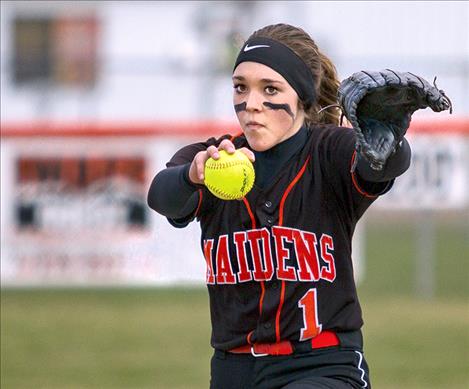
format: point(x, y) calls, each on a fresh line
point(98, 291)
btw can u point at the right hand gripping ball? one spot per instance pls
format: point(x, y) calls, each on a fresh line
point(230, 177)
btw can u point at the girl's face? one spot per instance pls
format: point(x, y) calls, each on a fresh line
point(267, 106)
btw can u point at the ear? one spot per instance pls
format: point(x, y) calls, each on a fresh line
point(300, 106)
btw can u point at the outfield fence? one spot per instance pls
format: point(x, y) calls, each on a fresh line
point(74, 213)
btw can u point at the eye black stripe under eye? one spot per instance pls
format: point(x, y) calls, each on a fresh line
point(240, 107)
point(285, 107)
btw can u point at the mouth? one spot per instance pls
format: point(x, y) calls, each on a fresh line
point(253, 125)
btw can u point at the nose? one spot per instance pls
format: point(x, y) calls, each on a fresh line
point(254, 102)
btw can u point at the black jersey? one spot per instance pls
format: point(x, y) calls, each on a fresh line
point(279, 261)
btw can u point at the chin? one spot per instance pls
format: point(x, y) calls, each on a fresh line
point(259, 140)
point(258, 145)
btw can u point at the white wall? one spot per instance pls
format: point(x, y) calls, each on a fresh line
point(152, 58)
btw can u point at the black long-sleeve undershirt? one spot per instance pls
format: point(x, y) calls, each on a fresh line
point(173, 195)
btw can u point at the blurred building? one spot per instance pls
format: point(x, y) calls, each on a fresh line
point(120, 60)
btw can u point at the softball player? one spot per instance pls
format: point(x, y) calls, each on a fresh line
point(283, 301)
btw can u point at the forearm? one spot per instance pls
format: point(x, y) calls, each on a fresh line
point(396, 165)
point(172, 194)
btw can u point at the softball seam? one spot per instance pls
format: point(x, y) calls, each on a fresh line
point(222, 193)
point(223, 165)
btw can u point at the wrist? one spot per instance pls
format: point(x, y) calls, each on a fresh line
point(187, 177)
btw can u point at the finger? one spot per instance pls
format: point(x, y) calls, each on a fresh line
point(194, 175)
point(203, 157)
point(212, 152)
point(194, 170)
point(248, 153)
point(201, 169)
point(227, 145)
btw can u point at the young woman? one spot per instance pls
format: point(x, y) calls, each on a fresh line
point(284, 306)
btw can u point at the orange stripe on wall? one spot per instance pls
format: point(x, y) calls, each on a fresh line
point(42, 128)
point(124, 128)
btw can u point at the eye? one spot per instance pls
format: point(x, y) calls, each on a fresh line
point(239, 88)
point(271, 90)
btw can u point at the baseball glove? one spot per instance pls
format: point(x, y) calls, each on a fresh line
point(379, 106)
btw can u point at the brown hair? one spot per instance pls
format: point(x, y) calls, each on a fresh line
point(323, 70)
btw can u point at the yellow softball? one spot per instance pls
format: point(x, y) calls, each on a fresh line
point(231, 176)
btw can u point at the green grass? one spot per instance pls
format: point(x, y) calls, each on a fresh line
point(159, 338)
point(105, 339)
point(390, 259)
point(414, 344)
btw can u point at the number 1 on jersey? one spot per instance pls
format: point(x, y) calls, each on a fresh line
point(308, 303)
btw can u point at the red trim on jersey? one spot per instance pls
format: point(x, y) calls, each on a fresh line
point(354, 179)
point(279, 311)
point(324, 339)
point(288, 190)
point(261, 300)
point(280, 223)
point(200, 202)
point(233, 137)
point(248, 338)
point(253, 223)
point(251, 215)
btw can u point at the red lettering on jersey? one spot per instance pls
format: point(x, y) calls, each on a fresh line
point(281, 235)
point(208, 245)
point(244, 273)
point(224, 271)
point(306, 255)
point(268, 262)
point(328, 271)
point(309, 304)
point(253, 237)
point(263, 264)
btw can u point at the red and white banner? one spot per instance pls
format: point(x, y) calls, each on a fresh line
point(73, 199)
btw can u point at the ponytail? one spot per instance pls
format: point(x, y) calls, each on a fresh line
point(325, 109)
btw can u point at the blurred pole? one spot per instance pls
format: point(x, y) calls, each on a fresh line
point(217, 24)
point(425, 258)
point(204, 20)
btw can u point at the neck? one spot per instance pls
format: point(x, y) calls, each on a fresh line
point(269, 162)
point(298, 123)
point(292, 143)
